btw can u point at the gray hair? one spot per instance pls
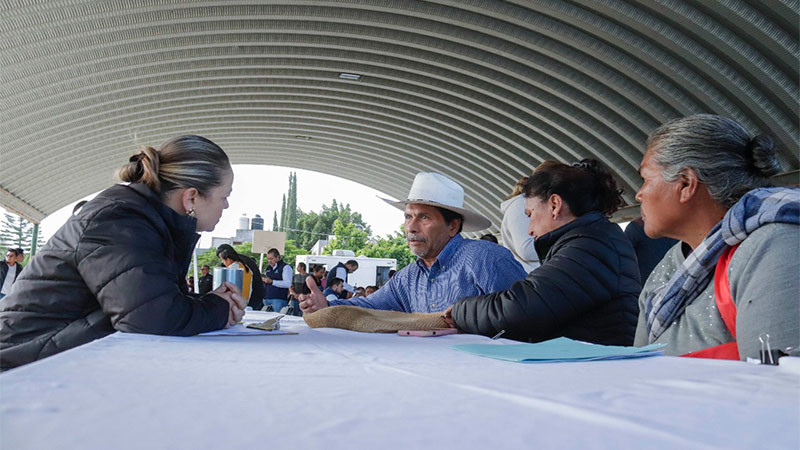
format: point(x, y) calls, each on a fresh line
point(726, 158)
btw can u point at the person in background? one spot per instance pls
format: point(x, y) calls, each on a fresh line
point(9, 271)
point(392, 272)
point(298, 278)
point(514, 229)
point(206, 281)
point(588, 283)
point(341, 271)
point(649, 251)
point(316, 275)
point(360, 292)
point(277, 280)
point(370, 290)
point(313, 281)
point(448, 267)
point(335, 287)
point(253, 287)
point(734, 277)
point(190, 284)
point(489, 237)
point(120, 262)
point(20, 255)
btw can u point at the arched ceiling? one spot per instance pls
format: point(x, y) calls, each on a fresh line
point(480, 90)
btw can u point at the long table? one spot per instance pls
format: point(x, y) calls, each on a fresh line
point(329, 388)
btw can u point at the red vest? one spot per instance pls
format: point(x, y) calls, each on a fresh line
point(726, 308)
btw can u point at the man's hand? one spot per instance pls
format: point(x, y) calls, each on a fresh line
point(447, 315)
point(266, 280)
point(231, 294)
point(312, 302)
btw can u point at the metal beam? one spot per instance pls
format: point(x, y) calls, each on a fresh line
point(19, 207)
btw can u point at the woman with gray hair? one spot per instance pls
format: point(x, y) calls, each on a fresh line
point(733, 278)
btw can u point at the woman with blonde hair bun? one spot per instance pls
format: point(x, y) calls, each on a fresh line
point(120, 262)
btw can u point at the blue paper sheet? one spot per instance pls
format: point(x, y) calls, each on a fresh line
point(558, 350)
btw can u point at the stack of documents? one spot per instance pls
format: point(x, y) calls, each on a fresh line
point(558, 350)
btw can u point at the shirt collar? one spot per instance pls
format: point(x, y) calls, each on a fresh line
point(446, 254)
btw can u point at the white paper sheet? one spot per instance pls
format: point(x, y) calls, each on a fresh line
point(241, 330)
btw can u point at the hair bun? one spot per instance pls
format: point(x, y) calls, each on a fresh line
point(142, 167)
point(762, 157)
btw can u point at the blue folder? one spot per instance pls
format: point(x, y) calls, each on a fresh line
point(558, 350)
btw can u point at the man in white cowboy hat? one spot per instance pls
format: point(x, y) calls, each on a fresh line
point(448, 267)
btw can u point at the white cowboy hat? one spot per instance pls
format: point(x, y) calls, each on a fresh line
point(435, 189)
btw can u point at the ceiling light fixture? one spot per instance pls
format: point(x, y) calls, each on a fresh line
point(350, 76)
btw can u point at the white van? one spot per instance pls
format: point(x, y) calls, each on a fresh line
point(371, 271)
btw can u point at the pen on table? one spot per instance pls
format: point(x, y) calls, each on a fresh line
point(497, 336)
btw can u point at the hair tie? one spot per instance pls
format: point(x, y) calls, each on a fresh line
point(581, 165)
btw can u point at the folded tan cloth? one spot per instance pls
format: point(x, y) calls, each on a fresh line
point(372, 320)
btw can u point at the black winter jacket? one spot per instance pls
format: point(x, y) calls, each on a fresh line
point(118, 264)
point(586, 289)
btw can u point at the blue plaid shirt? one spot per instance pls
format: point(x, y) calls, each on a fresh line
point(464, 268)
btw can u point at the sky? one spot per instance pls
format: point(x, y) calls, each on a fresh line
point(259, 190)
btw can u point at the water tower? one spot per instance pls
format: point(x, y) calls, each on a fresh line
point(257, 223)
point(244, 222)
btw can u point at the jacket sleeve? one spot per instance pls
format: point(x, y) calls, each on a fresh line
point(578, 278)
point(123, 260)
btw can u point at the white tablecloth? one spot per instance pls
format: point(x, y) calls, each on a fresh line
point(331, 388)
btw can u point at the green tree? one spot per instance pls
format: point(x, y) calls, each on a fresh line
point(313, 226)
point(291, 207)
point(274, 221)
point(291, 251)
point(208, 258)
point(17, 232)
point(347, 236)
point(283, 213)
point(393, 246)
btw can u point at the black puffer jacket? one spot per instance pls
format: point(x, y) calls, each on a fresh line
point(118, 264)
point(586, 289)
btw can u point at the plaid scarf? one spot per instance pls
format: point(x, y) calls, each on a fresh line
point(756, 208)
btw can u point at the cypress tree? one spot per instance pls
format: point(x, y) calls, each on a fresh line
point(291, 206)
point(283, 212)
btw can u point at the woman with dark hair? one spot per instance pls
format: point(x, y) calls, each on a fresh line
point(735, 276)
point(120, 262)
point(588, 281)
point(252, 285)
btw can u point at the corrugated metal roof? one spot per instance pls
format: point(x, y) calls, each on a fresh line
point(479, 90)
